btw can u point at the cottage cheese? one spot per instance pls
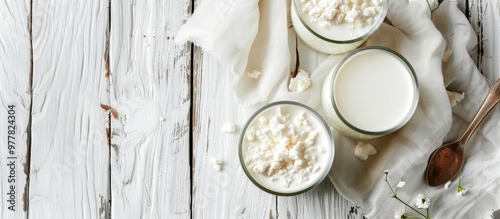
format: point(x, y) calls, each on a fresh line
point(301, 81)
point(217, 164)
point(363, 150)
point(286, 148)
point(228, 128)
point(455, 97)
point(346, 21)
point(254, 74)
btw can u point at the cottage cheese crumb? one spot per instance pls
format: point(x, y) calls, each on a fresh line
point(217, 164)
point(455, 97)
point(228, 128)
point(447, 55)
point(254, 74)
point(301, 82)
point(363, 150)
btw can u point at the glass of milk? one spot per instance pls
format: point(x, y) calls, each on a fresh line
point(336, 26)
point(371, 92)
point(286, 148)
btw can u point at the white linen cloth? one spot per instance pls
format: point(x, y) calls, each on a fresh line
point(248, 35)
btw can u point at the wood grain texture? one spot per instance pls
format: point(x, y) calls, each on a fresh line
point(150, 91)
point(227, 193)
point(165, 104)
point(15, 89)
point(484, 16)
point(69, 174)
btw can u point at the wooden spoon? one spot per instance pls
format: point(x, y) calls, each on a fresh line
point(446, 161)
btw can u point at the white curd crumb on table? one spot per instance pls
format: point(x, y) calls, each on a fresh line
point(228, 128)
point(363, 150)
point(217, 164)
point(301, 82)
point(455, 97)
point(254, 74)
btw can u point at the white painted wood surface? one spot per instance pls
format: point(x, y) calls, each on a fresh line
point(125, 122)
point(15, 88)
point(69, 172)
point(151, 93)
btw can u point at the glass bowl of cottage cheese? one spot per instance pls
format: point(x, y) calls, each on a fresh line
point(286, 148)
point(337, 26)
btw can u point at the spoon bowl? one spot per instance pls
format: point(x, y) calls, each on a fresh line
point(446, 161)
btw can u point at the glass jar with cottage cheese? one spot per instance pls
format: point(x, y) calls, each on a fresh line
point(371, 92)
point(337, 26)
point(286, 148)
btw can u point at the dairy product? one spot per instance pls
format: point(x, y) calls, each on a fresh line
point(286, 148)
point(447, 54)
point(254, 74)
point(371, 92)
point(228, 128)
point(455, 97)
point(217, 164)
point(301, 81)
point(363, 150)
point(336, 26)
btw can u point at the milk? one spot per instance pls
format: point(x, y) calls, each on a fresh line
point(374, 93)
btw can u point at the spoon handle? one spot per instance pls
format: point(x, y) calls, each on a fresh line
point(491, 100)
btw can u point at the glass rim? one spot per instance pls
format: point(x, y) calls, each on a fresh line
point(326, 128)
point(376, 25)
point(415, 91)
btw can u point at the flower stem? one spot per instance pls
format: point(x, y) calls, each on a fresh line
point(390, 187)
point(411, 207)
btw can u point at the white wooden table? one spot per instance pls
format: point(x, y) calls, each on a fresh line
point(114, 120)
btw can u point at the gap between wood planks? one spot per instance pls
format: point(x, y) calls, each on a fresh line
point(27, 168)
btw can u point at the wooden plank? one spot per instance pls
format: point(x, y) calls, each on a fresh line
point(324, 201)
point(227, 193)
point(15, 105)
point(151, 95)
point(484, 16)
point(69, 174)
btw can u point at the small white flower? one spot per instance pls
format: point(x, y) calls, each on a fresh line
point(461, 190)
point(461, 193)
point(423, 202)
point(401, 183)
point(386, 171)
point(399, 213)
